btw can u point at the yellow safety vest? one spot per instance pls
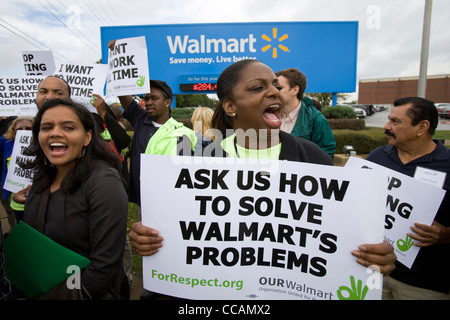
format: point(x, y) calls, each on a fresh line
point(165, 139)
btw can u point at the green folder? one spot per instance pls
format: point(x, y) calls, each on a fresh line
point(34, 263)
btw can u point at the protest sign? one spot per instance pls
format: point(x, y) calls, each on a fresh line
point(18, 95)
point(128, 68)
point(234, 231)
point(404, 206)
point(18, 178)
point(84, 80)
point(38, 63)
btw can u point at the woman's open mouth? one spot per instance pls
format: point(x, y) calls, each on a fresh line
point(58, 148)
point(272, 116)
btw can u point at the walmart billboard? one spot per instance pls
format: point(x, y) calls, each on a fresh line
point(190, 57)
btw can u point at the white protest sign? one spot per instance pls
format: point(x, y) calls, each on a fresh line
point(18, 178)
point(404, 206)
point(233, 231)
point(84, 80)
point(38, 63)
point(128, 68)
point(18, 95)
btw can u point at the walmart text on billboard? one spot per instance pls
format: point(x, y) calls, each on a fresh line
point(205, 45)
point(180, 45)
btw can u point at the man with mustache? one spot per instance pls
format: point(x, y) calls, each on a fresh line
point(411, 125)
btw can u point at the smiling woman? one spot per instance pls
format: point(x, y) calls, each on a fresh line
point(62, 138)
point(77, 197)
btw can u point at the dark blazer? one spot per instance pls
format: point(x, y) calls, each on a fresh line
point(91, 221)
point(302, 150)
point(292, 149)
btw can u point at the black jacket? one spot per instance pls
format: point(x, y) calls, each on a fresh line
point(292, 149)
point(91, 221)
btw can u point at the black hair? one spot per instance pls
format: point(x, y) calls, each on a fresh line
point(62, 79)
point(421, 109)
point(225, 85)
point(95, 151)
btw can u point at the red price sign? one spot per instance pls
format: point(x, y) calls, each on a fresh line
point(198, 86)
point(204, 87)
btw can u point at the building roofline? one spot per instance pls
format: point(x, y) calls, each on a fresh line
point(437, 76)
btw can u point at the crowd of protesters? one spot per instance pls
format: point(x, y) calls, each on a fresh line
point(87, 170)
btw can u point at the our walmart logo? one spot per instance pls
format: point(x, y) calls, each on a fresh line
point(275, 43)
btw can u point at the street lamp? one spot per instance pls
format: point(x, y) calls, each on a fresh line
point(422, 86)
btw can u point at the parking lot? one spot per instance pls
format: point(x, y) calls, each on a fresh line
point(379, 119)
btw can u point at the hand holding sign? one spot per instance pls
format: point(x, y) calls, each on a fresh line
point(99, 104)
point(430, 235)
point(21, 196)
point(146, 241)
point(111, 44)
point(378, 256)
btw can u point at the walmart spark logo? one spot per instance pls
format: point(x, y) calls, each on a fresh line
point(274, 46)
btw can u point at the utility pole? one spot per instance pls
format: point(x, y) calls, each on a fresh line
point(422, 87)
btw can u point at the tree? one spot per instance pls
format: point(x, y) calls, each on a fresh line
point(325, 98)
point(194, 100)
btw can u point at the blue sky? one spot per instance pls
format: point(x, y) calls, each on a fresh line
point(390, 32)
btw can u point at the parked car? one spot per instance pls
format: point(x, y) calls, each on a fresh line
point(443, 110)
point(360, 113)
point(367, 107)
